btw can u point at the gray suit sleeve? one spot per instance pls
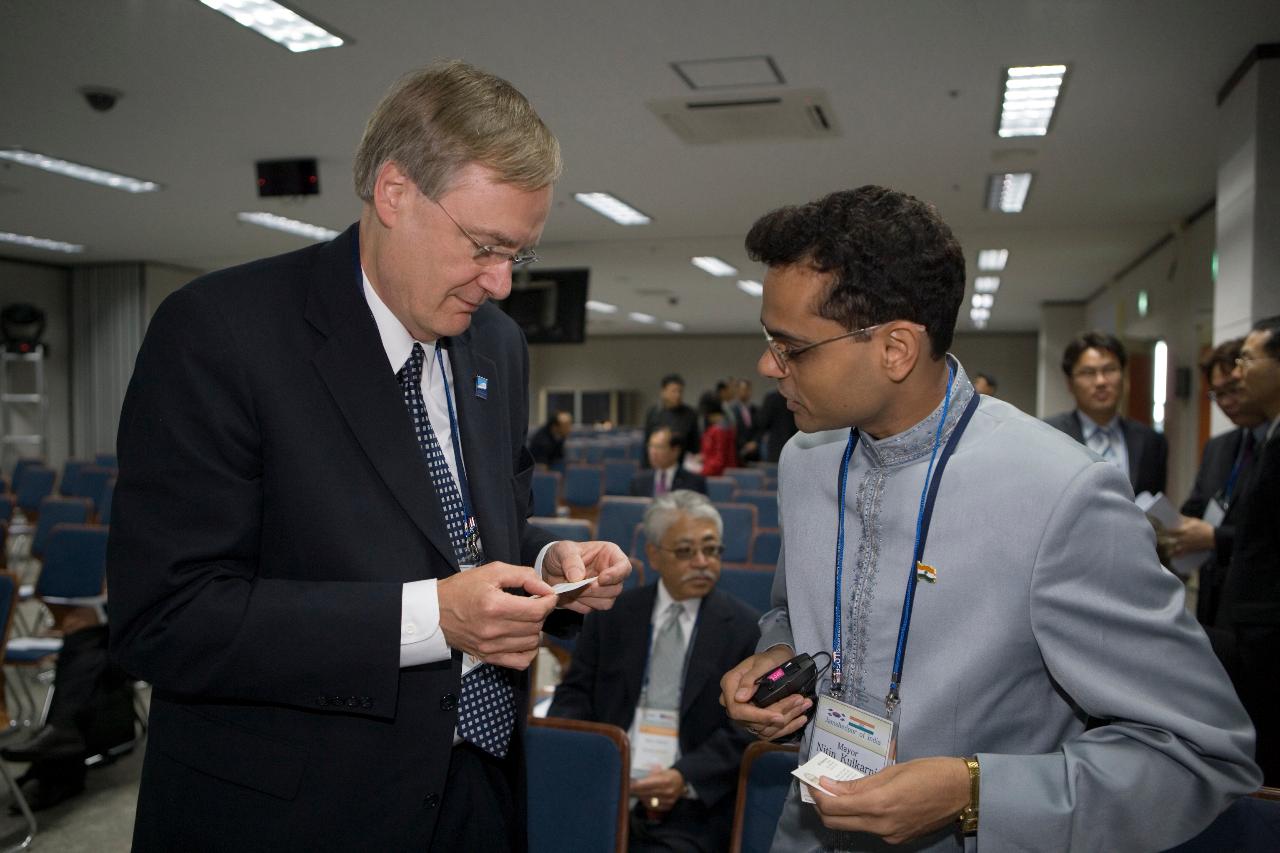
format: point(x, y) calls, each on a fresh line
point(1175, 745)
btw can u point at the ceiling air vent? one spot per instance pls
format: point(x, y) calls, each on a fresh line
point(795, 114)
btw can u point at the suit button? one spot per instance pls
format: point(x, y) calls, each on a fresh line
point(448, 702)
point(431, 801)
point(353, 702)
point(321, 701)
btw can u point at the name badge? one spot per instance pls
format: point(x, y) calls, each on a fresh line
point(853, 736)
point(657, 742)
point(1214, 512)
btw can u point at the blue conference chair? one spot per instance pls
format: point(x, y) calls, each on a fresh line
point(587, 765)
point(104, 501)
point(721, 489)
point(766, 504)
point(763, 782)
point(31, 485)
point(583, 486)
point(617, 476)
point(8, 601)
point(90, 483)
point(618, 519)
point(546, 491)
point(739, 528)
point(106, 460)
point(747, 478)
point(766, 547)
point(749, 585)
point(55, 511)
point(573, 529)
point(71, 469)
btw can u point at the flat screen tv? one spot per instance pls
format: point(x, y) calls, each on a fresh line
point(550, 305)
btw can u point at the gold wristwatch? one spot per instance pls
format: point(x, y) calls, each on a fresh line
point(969, 817)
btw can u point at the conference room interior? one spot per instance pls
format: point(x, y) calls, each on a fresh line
point(1140, 207)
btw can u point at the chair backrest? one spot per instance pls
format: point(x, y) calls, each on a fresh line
point(583, 485)
point(763, 781)
point(33, 485)
point(587, 765)
point(766, 546)
point(739, 527)
point(618, 519)
point(747, 478)
point(637, 576)
point(615, 450)
point(75, 562)
point(753, 586)
point(6, 507)
point(23, 464)
point(573, 529)
point(104, 502)
point(766, 504)
point(106, 460)
point(90, 483)
point(617, 476)
point(1249, 825)
point(546, 490)
point(721, 488)
point(55, 511)
point(71, 476)
point(8, 601)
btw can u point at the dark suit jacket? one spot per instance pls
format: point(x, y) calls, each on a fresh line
point(1216, 462)
point(775, 424)
point(272, 500)
point(607, 673)
point(1148, 450)
point(1246, 632)
point(642, 482)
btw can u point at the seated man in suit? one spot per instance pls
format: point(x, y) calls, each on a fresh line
point(1210, 510)
point(665, 473)
point(1094, 364)
point(656, 658)
point(546, 445)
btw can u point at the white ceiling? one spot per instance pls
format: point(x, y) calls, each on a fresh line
point(914, 87)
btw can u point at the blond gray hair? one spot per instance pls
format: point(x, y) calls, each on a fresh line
point(440, 118)
point(667, 509)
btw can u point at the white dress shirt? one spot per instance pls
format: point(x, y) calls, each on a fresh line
point(421, 640)
point(1118, 447)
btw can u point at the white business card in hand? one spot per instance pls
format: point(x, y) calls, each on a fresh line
point(570, 586)
point(824, 765)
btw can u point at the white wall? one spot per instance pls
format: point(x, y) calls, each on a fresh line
point(49, 289)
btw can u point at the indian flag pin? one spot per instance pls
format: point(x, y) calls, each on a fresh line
point(926, 573)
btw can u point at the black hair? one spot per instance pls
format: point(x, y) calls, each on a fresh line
point(1224, 355)
point(671, 377)
point(1270, 324)
point(990, 380)
point(891, 257)
point(673, 438)
point(1092, 340)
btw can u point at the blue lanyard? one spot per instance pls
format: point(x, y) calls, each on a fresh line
point(463, 488)
point(928, 495)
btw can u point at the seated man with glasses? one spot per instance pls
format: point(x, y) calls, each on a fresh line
point(1094, 365)
point(1210, 510)
point(1053, 693)
point(652, 665)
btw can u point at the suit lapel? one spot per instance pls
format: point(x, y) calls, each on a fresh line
point(635, 655)
point(701, 660)
point(1133, 442)
point(481, 438)
point(353, 366)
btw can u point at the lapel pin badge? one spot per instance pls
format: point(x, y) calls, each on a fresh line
point(926, 573)
point(482, 388)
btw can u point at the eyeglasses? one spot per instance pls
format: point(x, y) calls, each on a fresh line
point(783, 355)
point(685, 553)
point(489, 256)
point(1243, 361)
point(1111, 371)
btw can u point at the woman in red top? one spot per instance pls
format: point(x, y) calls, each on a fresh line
point(719, 443)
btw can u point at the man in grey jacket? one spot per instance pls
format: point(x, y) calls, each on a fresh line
point(1055, 693)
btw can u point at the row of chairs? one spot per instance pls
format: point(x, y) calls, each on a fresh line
point(33, 481)
point(589, 765)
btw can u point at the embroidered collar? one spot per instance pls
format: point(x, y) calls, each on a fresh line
point(917, 442)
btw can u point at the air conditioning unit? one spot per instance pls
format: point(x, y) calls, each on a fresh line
point(793, 114)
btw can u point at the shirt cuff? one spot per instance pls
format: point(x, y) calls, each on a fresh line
point(421, 640)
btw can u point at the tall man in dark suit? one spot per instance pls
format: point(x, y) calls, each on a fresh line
point(775, 424)
point(1246, 631)
point(655, 659)
point(1094, 365)
point(312, 447)
point(672, 412)
point(665, 473)
point(1211, 508)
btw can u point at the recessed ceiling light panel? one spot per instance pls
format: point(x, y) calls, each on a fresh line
point(40, 243)
point(983, 300)
point(613, 208)
point(601, 307)
point(1030, 97)
point(78, 171)
point(713, 265)
point(283, 26)
point(641, 317)
point(986, 284)
point(289, 226)
point(1007, 191)
point(992, 260)
point(751, 288)
point(673, 325)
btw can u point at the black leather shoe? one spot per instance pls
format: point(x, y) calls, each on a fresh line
point(44, 794)
point(49, 742)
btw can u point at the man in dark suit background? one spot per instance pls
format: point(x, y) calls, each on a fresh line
point(658, 655)
point(1210, 510)
point(672, 412)
point(1246, 629)
point(665, 473)
point(311, 448)
point(546, 445)
point(1094, 365)
point(775, 425)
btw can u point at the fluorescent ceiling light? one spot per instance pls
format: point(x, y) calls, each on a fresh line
point(613, 208)
point(283, 26)
point(983, 300)
point(1030, 96)
point(978, 324)
point(40, 243)
point(673, 325)
point(986, 284)
point(642, 318)
point(993, 259)
point(1007, 191)
point(601, 307)
point(715, 266)
point(289, 226)
point(78, 171)
point(751, 288)
point(980, 314)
